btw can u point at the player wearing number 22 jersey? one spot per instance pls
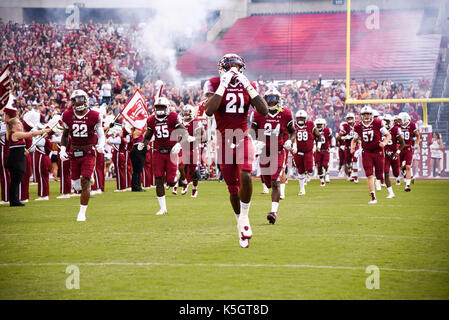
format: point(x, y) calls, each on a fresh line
point(230, 96)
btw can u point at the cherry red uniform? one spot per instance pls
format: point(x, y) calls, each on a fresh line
point(64, 167)
point(408, 132)
point(304, 142)
point(189, 155)
point(42, 164)
point(165, 164)
point(322, 157)
point(24, 191)
point(274, 128)
point(373, 154)
point(390, 150)
point(5, 179)
point(234, 144)
point(99, 170)
point(348, 133)
point(82, 131)
point(147, 172)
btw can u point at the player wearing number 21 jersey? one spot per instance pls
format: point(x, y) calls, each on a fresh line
point(232, 95)
point(81, 124)
point(370, 132)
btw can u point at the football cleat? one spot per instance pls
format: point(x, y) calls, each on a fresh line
point(356, 179)
point(161, 212)
point(390, 196)
point(373, 201)
point(302, 193)
point(185, 188)
point(175, 190)
point(24, 201)
point(81, 217)
point(41, 198)
point(245, 230)
point(244, 243)
point(407, 189)
point(271, 217)
point(63, 196)
point(194, 193)
point(327, 179)
point(4, 202)
point(323, 184)
point(398, 181)
point(265, 190)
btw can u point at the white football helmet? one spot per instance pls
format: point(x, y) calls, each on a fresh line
point(80, 100)
point(272, 97)
point(376, 114)
point(404, 118)
point(388, 121)
point(367, 110)
point(301, 117)
point(350, 116)
point(162, 107)
point(320, 123)
point(230, 60)
point(188, 112)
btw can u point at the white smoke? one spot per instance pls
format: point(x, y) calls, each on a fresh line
point(175, 22)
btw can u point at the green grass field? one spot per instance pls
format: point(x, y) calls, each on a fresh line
point(319, 248)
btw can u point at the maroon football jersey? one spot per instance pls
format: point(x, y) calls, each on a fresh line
point(326, 139)
point(392, 145)
point(274, 126)
point(81, 128)
point(304, 136)
point(370, 134)
point(233, 110)
point(162, 129)
point(191, 127)
point(408, 132)
point(347, 133)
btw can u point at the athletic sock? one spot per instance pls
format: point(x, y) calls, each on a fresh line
point(83, 209)
point(407, 182)
point(282, 190)
point(390, 190)
point(274, 206)
point(162, 203)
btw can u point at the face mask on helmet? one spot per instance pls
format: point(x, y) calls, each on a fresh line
point(301, 120)
point(187, 115)
point(161, 111)
point(350, 120)
point(272, 100)
point(79, 103)
point(228, 61)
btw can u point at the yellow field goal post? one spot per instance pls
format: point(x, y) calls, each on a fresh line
point(377, 101)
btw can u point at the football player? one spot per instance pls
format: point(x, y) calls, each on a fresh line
point(271, 130)
point(370, 132)
point(344, 137)
point(411, 137)
point(165, 126)
point(81, 124)
point(323, 145)
point(190, 158)
point(392, 151)
point(306, 133)
point(232, 96)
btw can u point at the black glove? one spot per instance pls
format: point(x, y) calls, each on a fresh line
point(111, 125)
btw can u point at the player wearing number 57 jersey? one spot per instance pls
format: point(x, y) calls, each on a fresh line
point(306, 133)
point(232, 95)
point(166, 147)
point(370, 132)
point(81, 124)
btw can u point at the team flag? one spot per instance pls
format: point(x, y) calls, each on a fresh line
point(136, 111)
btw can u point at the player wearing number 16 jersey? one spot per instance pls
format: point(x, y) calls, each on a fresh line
point(370, 132)
point(81, 124)
point(306, 133)
point(271, 131)
point(232, 95)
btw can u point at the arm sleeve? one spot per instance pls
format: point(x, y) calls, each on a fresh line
point(100, 133)
point(384, 131)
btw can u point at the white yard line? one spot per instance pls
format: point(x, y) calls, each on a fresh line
point(214, 265)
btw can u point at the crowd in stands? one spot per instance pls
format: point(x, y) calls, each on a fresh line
point(49, 61)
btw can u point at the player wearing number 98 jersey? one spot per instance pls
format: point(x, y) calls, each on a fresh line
point(370, 132)
point(81, 124)
point(231, 95)
point(306, 133)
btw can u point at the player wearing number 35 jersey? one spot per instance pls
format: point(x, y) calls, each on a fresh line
point(81, 124)
point(370, 132)
point(232, 95)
